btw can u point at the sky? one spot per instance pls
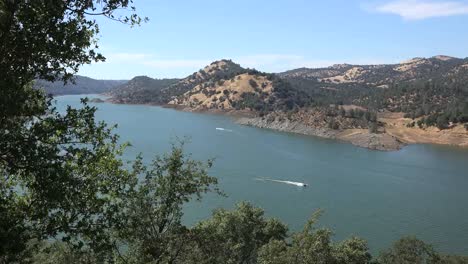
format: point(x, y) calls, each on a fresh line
point(183, 36)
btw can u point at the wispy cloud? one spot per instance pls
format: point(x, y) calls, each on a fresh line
point(423, 9)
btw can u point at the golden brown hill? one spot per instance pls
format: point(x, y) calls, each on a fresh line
point(224, 94)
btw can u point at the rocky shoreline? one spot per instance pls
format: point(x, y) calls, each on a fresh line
point(358, 137)
point(394, 136)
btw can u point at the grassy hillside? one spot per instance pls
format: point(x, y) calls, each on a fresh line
point(432, 91)
point(147, 90)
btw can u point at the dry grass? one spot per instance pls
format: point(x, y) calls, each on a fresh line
point(240, 85)
point(395, 125)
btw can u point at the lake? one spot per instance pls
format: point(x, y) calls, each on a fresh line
point(420, 190)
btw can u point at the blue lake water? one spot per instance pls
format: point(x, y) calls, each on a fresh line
point(420, 190)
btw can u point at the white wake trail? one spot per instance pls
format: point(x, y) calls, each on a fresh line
point(300, 184)
point(223, 129)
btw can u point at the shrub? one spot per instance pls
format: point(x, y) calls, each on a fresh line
point(442, 122)
point(253, 83)
point(332, 124)
point(373, 128)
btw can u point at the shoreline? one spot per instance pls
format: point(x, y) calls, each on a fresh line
point(395, 137)
point(357, 137)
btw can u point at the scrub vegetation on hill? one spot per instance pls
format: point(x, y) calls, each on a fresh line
point(379, 107)
point(433, 92)
point(67, 196)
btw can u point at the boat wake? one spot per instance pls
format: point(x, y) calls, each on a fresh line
point(299, 184)
point(223, 129)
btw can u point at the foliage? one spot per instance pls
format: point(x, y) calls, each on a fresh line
point(151, 224)
point(436, 91)
point(147, 90)
point(61, 176)
point(50, 40)
point(436, 94)
point(236, 236)
point(141, 89)
point(60, 172)
point(315, 246)
point(58, 252)
point(410, 250)
point(253, 83)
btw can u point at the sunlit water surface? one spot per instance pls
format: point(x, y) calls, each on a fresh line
point(420, 190)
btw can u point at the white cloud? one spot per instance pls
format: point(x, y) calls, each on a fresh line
point(422, 9)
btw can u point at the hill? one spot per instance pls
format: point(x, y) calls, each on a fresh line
point(376, 106)
point(434, 89)
point(140, 90)
point(81, 85)
point(379, 75)
point(222, 85)
point(151, 91)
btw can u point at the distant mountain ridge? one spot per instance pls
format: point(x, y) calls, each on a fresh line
point(140, 89)
point(384, 74)
point(81, 85)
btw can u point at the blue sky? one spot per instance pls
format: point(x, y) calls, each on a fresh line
point(183, 36)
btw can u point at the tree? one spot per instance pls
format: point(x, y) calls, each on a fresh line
point(236, 236)
point(352, 251)
point(151, 224)
point(342, 111)
point(69, 172)
point(59, 252)
point(442, 121)
point(253, 84)
point(373, 127)
point(332, 124)
point(409, 250)
point(275, 252)
point(60, 172)
point(314, 246)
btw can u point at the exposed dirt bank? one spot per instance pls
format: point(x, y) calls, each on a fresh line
point(393, 136)
point(358, 137)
